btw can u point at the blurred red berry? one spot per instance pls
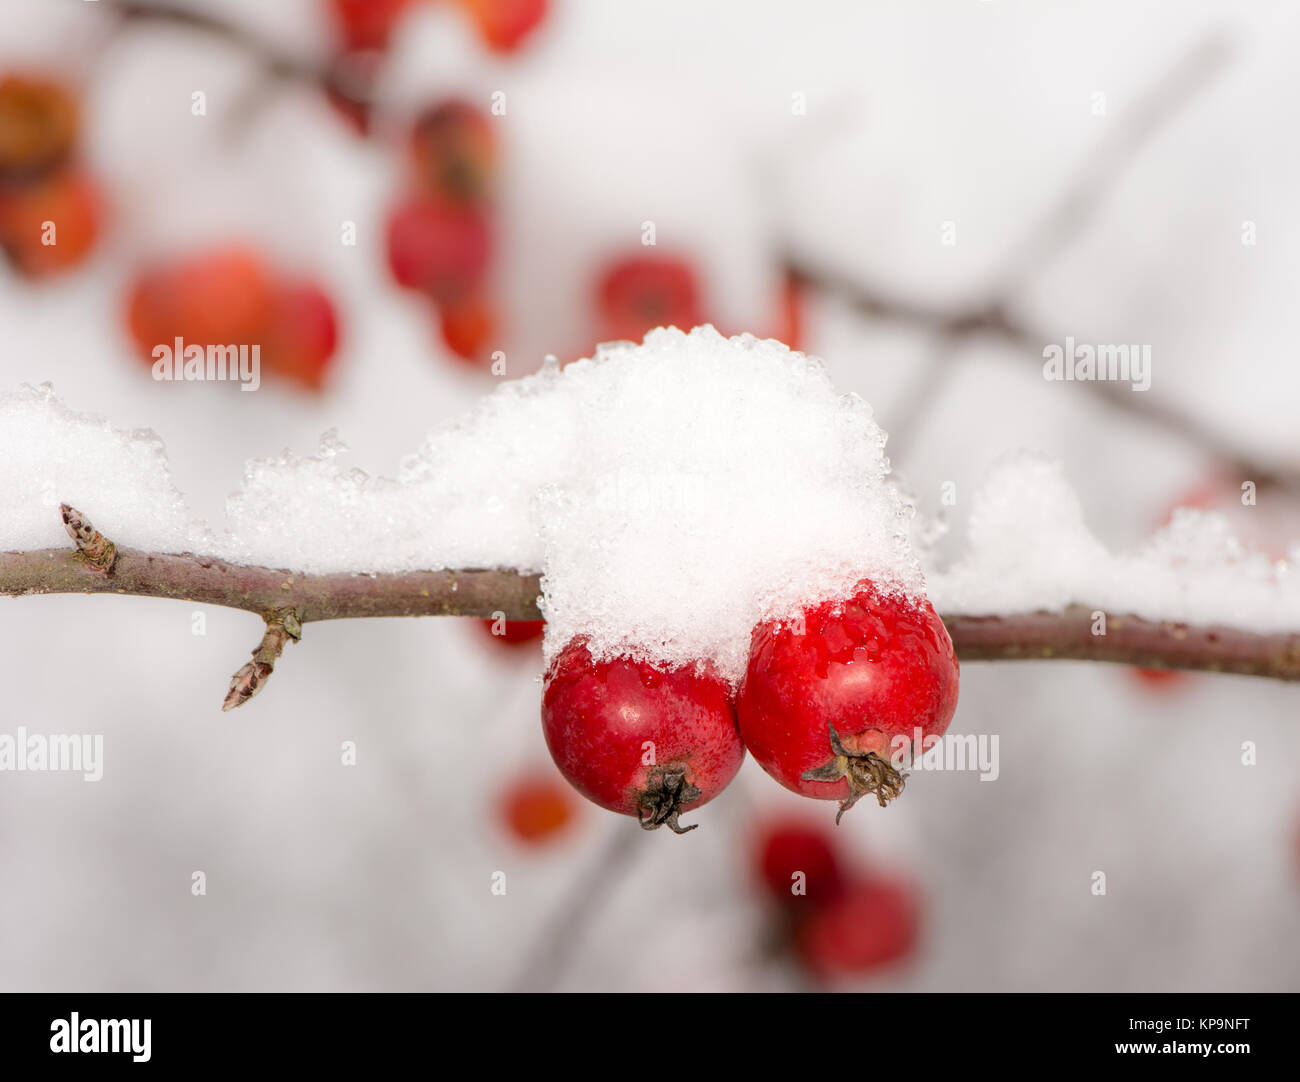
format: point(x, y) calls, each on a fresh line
point(467, 328)
point(536, 808)
point(514, 632)
point(871, 924)
point(222, 296)
point(454, 152)
point(39, 121)
point(641, 292)
point(797, 862)
point(302, 334)
point(1202, 496)
point(438, 249)
point(1261, 521)
point(368, 24)
point(789, 327)
point(50, 225)
point(230, 296)
point(503, 24)
point(1160, 679)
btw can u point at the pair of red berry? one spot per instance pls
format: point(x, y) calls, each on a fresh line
point(231, 296)
point(836, 920)
point(50, 207)
point(440, 234)
point(826, 704)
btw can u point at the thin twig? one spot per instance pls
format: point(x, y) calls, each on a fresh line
point(1100, 171)
point(278, 65)
point(559, 937)
point(1072, 211)
point(281, 627)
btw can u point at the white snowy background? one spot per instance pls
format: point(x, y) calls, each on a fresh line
point(377, 876)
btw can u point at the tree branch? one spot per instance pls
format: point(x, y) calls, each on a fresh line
point(1073, 210)
point(995, 321)
point(277, 64)
point(1065, 635)
point(210, 581)
point(1129, 640)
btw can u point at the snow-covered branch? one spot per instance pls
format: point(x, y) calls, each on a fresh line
point(675, 493)
point(286, 600)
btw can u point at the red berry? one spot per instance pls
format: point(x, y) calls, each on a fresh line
point(368, 24)
point(223, 296)
point(454, 152)
point(50, 224)
point(514, 632)
point(468, 326)
point(503, 24)
point(637, 739)
point(536, 808)
point(39, 121)
point(821, 704)
point(302, 334)
point(438, 249)
point(797, 862)
point(1159, 679)
point(642, 292)
point(871, 924)
point(790, 324)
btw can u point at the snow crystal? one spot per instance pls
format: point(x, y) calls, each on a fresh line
point(1030, 550)
point(713, 482)
point(51, 455)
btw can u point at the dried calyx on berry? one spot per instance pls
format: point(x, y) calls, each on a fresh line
point(865, 771)
point(666, 795)
point(827, 698)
